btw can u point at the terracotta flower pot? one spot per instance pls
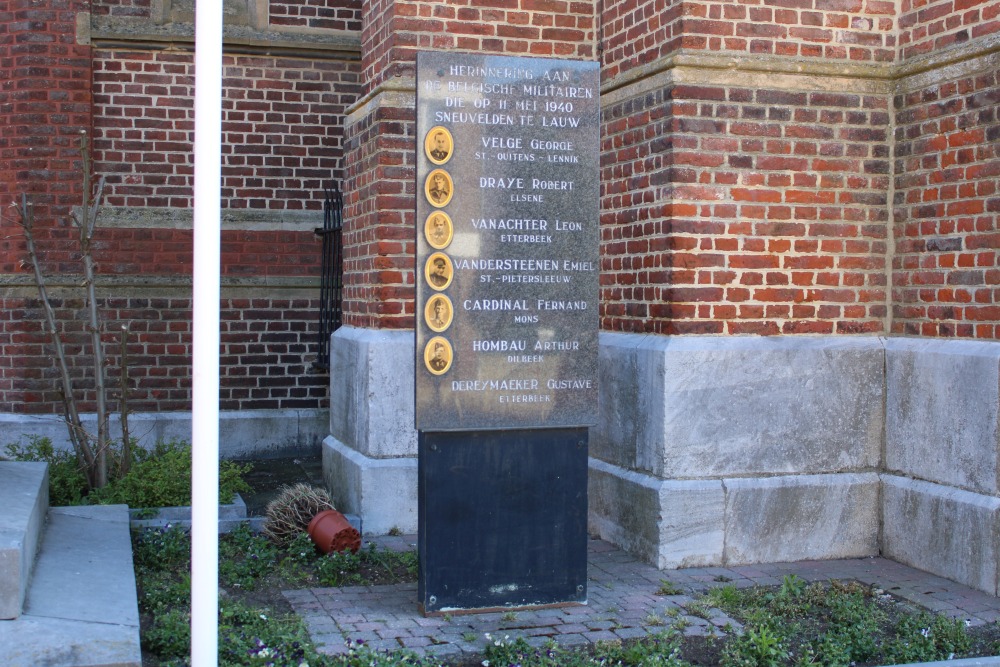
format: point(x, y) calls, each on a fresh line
point(330, 531)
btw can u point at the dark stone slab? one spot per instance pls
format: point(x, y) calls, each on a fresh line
point(503, 519)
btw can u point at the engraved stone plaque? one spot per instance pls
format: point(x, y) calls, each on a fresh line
point(507, 242)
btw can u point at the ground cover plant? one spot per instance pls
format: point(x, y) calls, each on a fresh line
point(836, 624)
point(797, 624)
point(256, 623)
point(159, 477)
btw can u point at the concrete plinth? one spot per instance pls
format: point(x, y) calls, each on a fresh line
point(697, 523)
point(667, 523)
point(704, 407)
point(243, 434)
point(725, 451)
point(942, 443)
point(714, 451)
point(943, 412)
point(383, 492)
point(371, 391)
point(943, 530)
point(370, 460)
point(799, 517)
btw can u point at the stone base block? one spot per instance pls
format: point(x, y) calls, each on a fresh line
point(943, 530)
point(383, 492)
point(371, 391)
point(943, 412)
point(696, 407)
point(801, 517)
point(692, 523)
point(669, 523)
point(243, 434)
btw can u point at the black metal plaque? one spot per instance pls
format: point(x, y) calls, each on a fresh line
point(507, 242)
point(502, 519)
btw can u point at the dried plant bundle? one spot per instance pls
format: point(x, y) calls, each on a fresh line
point(289, 514)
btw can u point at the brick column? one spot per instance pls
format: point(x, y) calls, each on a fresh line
point(379, 129)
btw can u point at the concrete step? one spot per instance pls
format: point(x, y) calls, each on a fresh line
point(24, 498)
point(80, 609)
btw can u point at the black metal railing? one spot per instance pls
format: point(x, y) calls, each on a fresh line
point(332, 285)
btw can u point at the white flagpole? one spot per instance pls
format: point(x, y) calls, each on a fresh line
point(205, 333)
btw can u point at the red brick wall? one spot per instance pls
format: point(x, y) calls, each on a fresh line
point(283, 125)
point(643, 31)
point(727, 208)
point(123, 251)
point(379, 245)
point(282, 14)
point(394, 30)
point(122, 8)
point(732, 210)
point(321, 14)
point(932, 25)
point(282, 128)
point(267, 345)
point(946, 274)
point(45, 97)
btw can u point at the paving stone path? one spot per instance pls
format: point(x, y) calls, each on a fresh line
point(622, 603)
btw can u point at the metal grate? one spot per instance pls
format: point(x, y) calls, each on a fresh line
point(332, 285)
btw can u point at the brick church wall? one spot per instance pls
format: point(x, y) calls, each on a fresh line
point(754, 202)
point(282, 146)
point(395, 30)
point(947, 176)
point(926, 26)
point(281, 127)
point(735, 210)
point(641, 32)
point(266, 345)
point(768, 167)
point(317, 14)
point(42, 116)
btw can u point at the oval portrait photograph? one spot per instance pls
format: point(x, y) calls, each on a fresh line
point(438, 271)
point(438, 355)
point(438, 230)
point(439, 188)
point(438, 145)
point(438, 312)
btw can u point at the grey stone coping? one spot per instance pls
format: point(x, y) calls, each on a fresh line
point(232, 219)
point(327, 43)
point(162, 516)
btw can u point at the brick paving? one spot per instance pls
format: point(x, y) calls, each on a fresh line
point(622, 603)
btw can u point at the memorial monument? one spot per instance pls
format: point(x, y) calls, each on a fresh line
point(506, 334)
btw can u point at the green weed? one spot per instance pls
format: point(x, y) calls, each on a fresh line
point(668, 587)
point(759, 646)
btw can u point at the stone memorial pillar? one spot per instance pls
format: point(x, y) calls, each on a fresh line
point(507, 323)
